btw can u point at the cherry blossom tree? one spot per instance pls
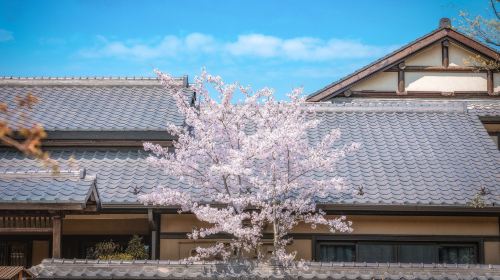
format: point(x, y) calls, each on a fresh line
point(248, 166)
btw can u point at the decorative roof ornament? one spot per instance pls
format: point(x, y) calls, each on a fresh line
point(444, 23)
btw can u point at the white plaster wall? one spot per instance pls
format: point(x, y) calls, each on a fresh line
point(496, 82)
point(428, 57)
point(459, 55)
point(383, 81)
point(447, 82)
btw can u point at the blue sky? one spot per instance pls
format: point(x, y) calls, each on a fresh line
point(281, 44)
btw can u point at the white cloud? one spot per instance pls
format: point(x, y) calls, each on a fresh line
point(200, 42)
point(247, 45)
point(255, 45)
point(303, 48)
point(6, 35)
point(168, 46)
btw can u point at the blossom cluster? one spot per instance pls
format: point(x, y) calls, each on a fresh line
point(249, 166)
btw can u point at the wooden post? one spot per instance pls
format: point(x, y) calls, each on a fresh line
point(401, 78)
point(153, 226)
point(56, 236)
point(445, 56)
point(489, 82)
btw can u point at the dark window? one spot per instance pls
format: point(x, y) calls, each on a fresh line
point(376, 253)
point(404, 252)
point(14, 253)
point(496, 138)
point(493, 129)
point(457, 254)
point(337, 253)
point(416, 253)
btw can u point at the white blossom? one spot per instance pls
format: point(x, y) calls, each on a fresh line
point(248, 164)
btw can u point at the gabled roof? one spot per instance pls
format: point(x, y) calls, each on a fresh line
point(40, 190)
point(414, 154)
point(397, 56)
point(82, 108)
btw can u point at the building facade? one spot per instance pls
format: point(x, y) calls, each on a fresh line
point(425, 185)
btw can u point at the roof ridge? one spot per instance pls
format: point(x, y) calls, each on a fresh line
point(79, 78)
point(43, 174)
point(86, 80)
point(389, 106)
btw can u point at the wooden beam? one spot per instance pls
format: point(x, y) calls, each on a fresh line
point(450, 69)
point(414, 94)
point(401, 78)
point(471, 44)
point(56, 236)
point(445, 56)
point(25, 230)
point(489, 82)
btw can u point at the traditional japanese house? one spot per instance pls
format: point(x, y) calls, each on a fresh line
point(426, 181)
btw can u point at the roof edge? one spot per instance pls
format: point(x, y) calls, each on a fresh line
point(86, 81)
point(334, 208)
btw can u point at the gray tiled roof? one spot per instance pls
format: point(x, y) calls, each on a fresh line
point(120, 174)
point(431, 158)
point(18, 188)
point(484, 108)
point(87, 269)
point(82, 105)
point(414, 158)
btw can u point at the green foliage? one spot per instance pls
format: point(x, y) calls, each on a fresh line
point(110, 250)
point(105, 248)
point(117, 256)
point(136, 248)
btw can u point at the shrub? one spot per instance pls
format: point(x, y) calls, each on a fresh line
point(110, 250)
point(136, 249)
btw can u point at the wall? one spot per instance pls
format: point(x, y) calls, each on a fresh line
point(383, 81)
point(428, 57)
point(492, 252)
point(496, 82)
point(410, 225)
point(446, 82)
point(459, 56)
point(435, 81)
point(174, 249)
point(40, 251)
point(106, 224)
point(362, 225)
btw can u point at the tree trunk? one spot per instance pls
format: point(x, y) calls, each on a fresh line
point(276, 236)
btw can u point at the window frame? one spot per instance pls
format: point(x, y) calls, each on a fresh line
point(337, 243)
point(497, 135)
point(451, 244)
point(485, 121)
point(436, 241)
